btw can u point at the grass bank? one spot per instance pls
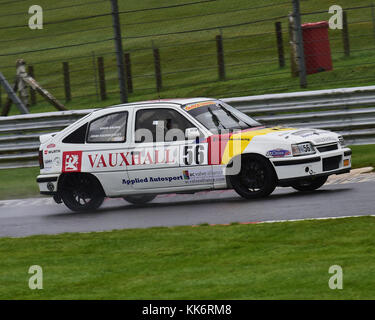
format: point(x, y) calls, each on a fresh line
point(264, 261)
point(363, 156)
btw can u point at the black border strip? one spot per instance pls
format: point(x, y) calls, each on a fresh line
point(46, 179)
point(288, 181)
point(347, 153)
point(297, 161)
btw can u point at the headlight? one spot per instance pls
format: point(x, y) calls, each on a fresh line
point(342, 141)
point(302, 149)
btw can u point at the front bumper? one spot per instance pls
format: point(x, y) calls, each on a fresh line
point(290, 181)
point(316, 165)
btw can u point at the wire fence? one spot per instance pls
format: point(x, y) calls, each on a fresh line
point(184, 48)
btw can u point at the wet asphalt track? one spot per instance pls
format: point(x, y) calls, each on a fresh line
point(43, 216)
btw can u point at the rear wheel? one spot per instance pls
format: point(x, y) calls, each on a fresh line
point(81, 192)
point(309, 185)
point(256, 179)
point(139, 199)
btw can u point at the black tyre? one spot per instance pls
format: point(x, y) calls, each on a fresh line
point(309, 185)
point(139, 199)
point(256, 179)
point(81, 192)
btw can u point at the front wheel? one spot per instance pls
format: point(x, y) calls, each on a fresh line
point(256, 178)
point(309, 185)
point(81, 192)
point(139, 199)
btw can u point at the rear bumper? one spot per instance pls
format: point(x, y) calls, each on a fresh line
point(47, 184)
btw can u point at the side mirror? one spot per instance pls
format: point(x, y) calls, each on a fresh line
point(192, 133)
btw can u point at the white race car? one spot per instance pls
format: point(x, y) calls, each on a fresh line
point(139, 150)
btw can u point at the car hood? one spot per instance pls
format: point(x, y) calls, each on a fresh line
point(293, 136)
point(282, 134)
point(263, 140)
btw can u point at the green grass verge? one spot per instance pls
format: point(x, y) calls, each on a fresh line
point(264, 261)
point(20, 183)
point(363, 156)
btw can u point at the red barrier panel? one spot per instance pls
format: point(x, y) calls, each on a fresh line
point(316, 46)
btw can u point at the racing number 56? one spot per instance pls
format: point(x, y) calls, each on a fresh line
point(194, 155)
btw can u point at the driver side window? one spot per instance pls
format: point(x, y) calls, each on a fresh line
point(162, 124)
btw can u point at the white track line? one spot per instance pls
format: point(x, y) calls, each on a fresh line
point(321, 218)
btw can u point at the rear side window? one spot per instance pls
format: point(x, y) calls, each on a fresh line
point(77, 136)
point(109, 128)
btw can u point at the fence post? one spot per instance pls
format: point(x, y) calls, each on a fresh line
point(293, 47)
point(102, 87)
point(345, 34)
point(68, 95)
point(157, 69)
point(220, 56)
point(300, 49)
point(95, 75)
point(30, 72)
point(280, 45)
point(128, 69)
point(119, 51)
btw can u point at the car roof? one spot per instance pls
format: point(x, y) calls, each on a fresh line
point(181, 102)
point(103, 111)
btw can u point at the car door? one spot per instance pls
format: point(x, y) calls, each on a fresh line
point(163, 158)
point(99, 147)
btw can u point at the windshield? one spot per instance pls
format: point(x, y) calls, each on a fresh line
point(217, 116)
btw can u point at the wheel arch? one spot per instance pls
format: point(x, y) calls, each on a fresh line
point(66, 175)
point(248, 155)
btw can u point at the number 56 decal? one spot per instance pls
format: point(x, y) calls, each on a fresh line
point(194, 154)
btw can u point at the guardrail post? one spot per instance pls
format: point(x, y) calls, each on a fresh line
point(345, 34)
point(220, 56)
point(157, 69)
point(68, 95)
point(280, 45)
point(102, 87)
point(128, 70)
point(299, 40)
point(30, 72)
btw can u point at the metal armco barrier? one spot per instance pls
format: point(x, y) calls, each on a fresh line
point(348, 111)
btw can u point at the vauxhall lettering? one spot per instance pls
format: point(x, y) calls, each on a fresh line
point(122, 159)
